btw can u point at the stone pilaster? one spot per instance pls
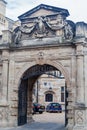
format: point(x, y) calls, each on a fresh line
point(85, 71)
point(73, 76)
point(4, 106)
point(72, 94)
point(4, 114)
point(11, 95)
point(5, 76)
point(80, 101)
point(80, 76)
point(11, 77)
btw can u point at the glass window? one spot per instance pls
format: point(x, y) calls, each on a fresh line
point(62, 94)
point(45, 83)
point(62, 89)
point(49, 97)
point(62, 97)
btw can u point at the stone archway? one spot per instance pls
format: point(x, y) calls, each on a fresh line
point(45, 36)
point(30, 84)
point(57, 65)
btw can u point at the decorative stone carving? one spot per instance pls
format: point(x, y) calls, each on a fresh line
point(40, 28)
point(40, 58)
point(26, 29)
point(3, 114)
point(79, 117)
point(40, 55)
point(16, 36)
point(68, 31)
point(45, 27)
point(58, 24)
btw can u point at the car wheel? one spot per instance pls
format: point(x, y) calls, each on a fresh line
point(40, 112)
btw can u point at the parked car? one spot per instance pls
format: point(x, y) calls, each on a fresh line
point(54, 107)
point(38, 108)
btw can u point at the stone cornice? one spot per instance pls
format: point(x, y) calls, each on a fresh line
point(38, 44)
point(80, 40)
point(46, 7)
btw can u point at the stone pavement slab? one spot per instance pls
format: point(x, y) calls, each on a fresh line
point(45, 121)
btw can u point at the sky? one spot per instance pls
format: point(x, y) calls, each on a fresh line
point(76, 8)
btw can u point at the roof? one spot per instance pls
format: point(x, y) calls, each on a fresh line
point(46, 7)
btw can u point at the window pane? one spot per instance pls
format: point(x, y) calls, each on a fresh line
point(45, 83)
point(62, 89)
point(62, 97)
point(48, 97)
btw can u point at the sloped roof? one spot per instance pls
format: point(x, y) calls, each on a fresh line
point(46, 7)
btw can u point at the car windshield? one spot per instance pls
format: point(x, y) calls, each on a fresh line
point(36, 104)
point(55, 104)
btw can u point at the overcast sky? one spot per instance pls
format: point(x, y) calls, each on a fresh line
point(76, 8)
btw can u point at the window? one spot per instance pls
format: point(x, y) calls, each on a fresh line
point(62, 89)
point(49, 97)
point(45, 83)
point(54, 73)
point(62, 94)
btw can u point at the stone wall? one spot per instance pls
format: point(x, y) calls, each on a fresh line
point(62, 45)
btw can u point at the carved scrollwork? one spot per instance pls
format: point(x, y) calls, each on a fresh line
point(26, 29)
point(59, 23)
point(17, 33)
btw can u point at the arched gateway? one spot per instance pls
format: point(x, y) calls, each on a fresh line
point(45, 41)
point(26, 87)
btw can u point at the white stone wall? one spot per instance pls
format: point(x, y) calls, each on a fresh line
point(19, 62)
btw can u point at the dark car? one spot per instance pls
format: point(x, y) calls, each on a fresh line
point(54, 107)
point(38, 108)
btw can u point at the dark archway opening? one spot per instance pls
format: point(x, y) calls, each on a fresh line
point(25, 90)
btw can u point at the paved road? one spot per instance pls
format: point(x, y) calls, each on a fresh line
point(45, 121)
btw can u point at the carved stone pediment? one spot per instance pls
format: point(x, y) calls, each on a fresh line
point(43, 28)
point(53, 25)
point(42, 10)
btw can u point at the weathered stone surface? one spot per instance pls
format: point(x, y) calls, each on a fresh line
point(47, 40)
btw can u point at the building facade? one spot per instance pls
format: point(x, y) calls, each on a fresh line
point(50, 88)
point(45, 41)
point(5, 22)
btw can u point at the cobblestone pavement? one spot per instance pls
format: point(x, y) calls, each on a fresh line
point(45, 121)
